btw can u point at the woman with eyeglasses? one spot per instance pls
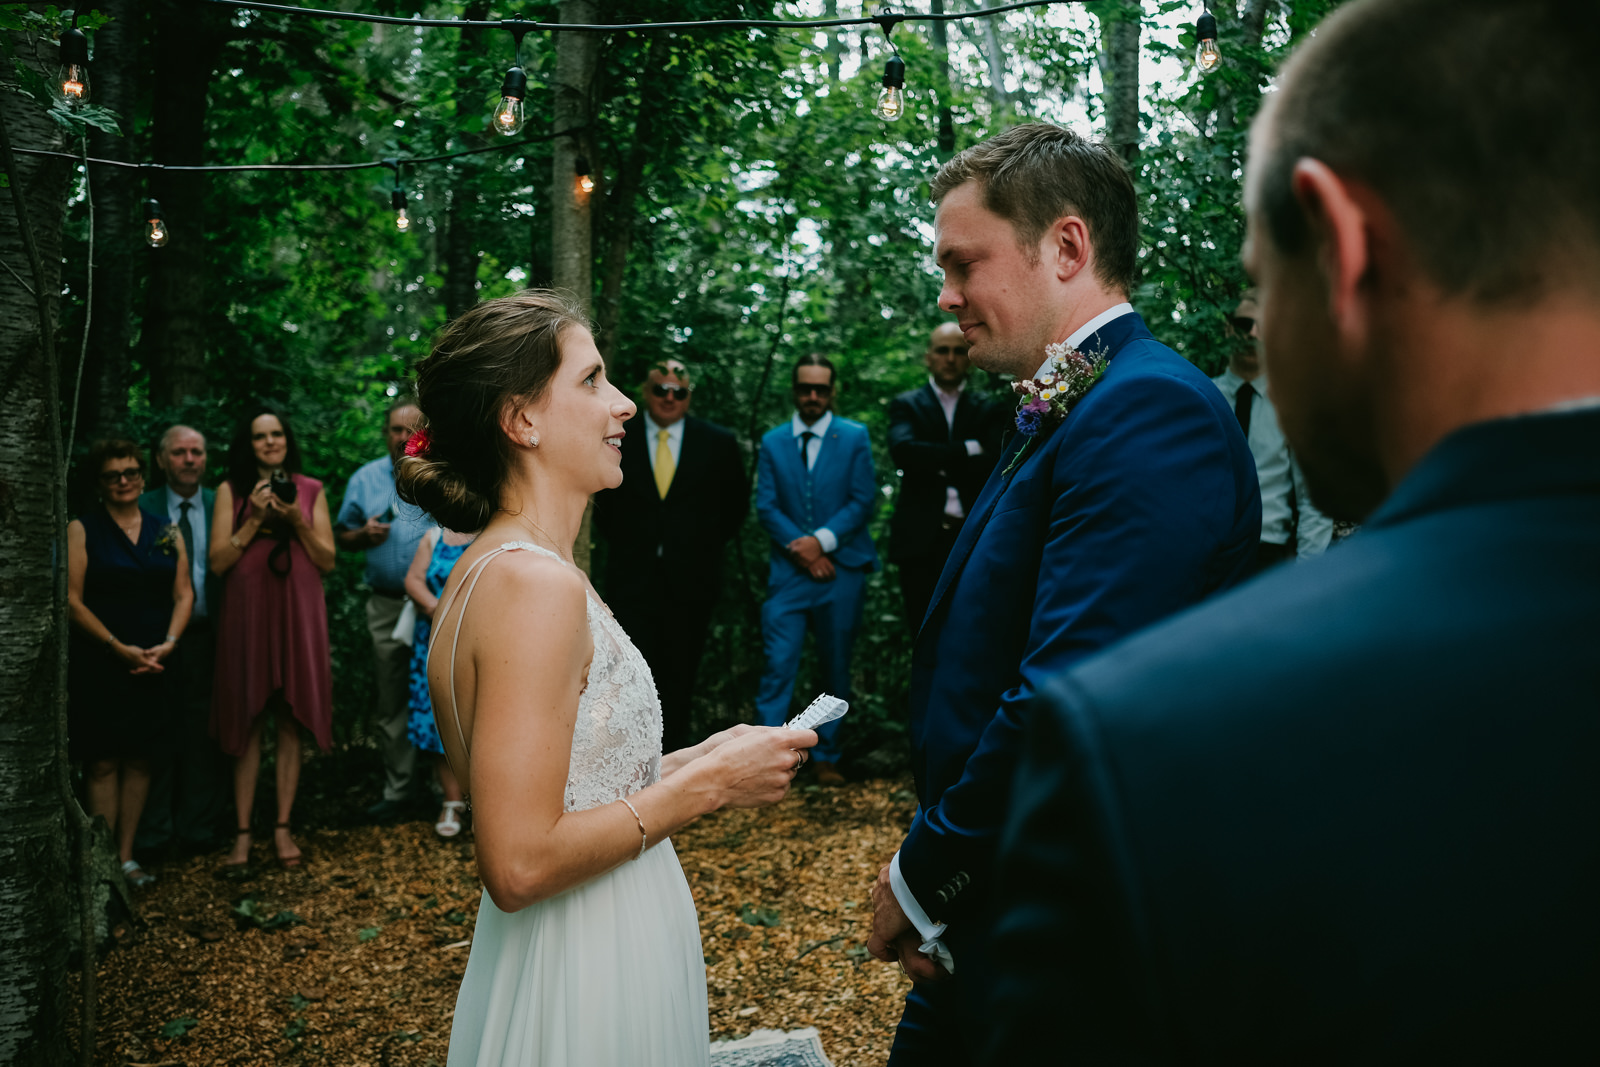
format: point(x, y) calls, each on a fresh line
point(272, 541)
point(128, 598)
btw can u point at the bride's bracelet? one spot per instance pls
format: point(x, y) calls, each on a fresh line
point(644, 838)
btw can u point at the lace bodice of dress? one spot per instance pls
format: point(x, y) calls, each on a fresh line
point(616, 741)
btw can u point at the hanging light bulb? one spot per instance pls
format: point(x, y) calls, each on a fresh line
point(73, 80)
point(509, 116)
point(583, 183)
point(397, 200)
point(155, 227)
point(892, 97)
point(1206, 54)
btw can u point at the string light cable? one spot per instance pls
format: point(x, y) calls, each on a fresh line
point(632, 27)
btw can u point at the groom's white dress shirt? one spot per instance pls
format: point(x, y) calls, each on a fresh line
point(932, 946)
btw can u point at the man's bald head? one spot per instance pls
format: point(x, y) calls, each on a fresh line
point(946, 356)
point(1473, 122)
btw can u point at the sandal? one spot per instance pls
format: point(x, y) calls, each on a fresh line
point(242, 832)
point(288, 862)
point(449, 824)
point(137, 876)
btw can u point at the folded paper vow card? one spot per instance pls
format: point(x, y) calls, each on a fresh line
point(822, 710)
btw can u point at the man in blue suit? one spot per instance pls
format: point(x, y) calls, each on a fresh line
point(1349, 814)
point(1138, 502)
point(815, 492)
point(191, 788)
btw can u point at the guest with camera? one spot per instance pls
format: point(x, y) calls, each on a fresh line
point(128, 598)
point(272, 539)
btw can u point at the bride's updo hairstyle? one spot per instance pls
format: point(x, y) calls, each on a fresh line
point(501, 354)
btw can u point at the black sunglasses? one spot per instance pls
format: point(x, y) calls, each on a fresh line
point(130, 474)
point(676, 392)
point(819, 390)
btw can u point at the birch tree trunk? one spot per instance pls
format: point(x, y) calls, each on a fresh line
point(572, 241)
point(34, 869)
point(1120, 26)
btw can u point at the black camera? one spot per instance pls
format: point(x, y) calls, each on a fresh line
point(283, 487)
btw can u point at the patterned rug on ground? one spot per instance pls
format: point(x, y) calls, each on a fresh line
point(772, 1048)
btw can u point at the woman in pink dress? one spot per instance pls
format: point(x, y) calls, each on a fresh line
point(272, 541)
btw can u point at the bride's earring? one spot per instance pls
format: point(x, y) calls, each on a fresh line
point(533, 440)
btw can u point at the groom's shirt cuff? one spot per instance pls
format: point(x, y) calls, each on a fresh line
point(929, 930)
point(826, 539)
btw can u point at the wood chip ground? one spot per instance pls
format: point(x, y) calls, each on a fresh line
point(356, 958)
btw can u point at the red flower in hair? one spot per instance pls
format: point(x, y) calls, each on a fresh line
point(418, 445)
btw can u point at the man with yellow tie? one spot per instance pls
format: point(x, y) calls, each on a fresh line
point(683, 496)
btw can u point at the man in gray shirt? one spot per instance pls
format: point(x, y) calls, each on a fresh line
point(1291, 526)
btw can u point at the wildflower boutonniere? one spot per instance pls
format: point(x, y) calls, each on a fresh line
point(1067, 378)
point(167, 540)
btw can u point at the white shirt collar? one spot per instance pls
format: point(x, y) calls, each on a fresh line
point(957, 391)
point(820, 427)
point(1082, 333)
point(174, 501)
point(674, 432)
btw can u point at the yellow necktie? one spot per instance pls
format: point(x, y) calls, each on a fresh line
point(665, 468)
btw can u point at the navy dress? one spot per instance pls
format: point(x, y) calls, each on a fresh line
point(113, 714)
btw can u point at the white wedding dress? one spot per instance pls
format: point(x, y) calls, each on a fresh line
point(609, 973)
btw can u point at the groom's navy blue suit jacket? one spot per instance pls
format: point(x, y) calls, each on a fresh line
point(1143, 501)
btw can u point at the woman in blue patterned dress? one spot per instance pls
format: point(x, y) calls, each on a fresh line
point(436, 556)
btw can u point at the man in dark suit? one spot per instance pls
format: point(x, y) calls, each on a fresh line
point(945, 441)
point(191, 787)
point(815, 493)
point(684, 494)
point(1137, 500)
point(1349, 814)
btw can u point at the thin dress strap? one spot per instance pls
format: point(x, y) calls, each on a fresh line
point(469, 582)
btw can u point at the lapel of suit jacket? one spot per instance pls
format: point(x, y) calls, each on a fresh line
point(636, 457)
point(967, 410)
point(932, 410)
point(1110, 339)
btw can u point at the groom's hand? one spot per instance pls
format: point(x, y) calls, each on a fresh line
point(889, 921)
point(918, 968)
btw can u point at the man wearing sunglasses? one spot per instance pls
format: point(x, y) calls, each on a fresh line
point(944, 439)
point(1291, 525)
point(815, 493)
point(683, 497)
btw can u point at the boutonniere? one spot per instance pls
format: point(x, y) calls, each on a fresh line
point(1045, 400)
point(167, 540)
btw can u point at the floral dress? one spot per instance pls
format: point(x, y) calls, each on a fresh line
point(420, 728)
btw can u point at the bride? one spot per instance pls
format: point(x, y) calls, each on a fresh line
point(587, 948)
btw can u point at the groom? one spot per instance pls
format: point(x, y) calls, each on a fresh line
point(1140, 501)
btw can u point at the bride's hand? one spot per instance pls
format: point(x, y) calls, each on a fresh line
point(755, 765)
point(675, 761)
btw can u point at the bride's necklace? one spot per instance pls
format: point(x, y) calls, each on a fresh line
point(550, 542)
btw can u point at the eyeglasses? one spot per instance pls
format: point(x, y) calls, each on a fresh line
point(676, 392)
point(802, 389)
point(128, 474)
point(945, 350)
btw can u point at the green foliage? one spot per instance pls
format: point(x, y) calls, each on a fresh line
point(774, 215)
point(368, 934)
point(760, 916)
point(178, 1027)
point(252, 912)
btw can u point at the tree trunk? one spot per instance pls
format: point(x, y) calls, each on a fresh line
point(1120, 26)
point(460, 251)
point(119, 248)
point(834, 49)
point(173, 344)
point(941, 48)
point(995, 57)
point(34, 867)
point(619, 206)
point(571, 234)
point(1241, 26)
